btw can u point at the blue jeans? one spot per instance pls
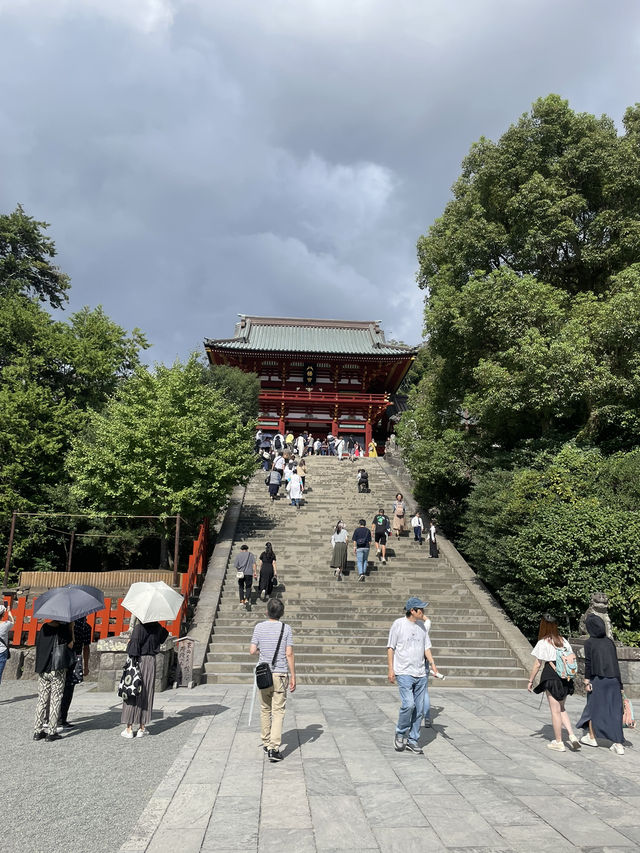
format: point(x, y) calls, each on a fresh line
point(411, 705)
point(426, 703)
point(362, 558)
point(3, 660)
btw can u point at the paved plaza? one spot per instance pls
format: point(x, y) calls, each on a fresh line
point(200, 782)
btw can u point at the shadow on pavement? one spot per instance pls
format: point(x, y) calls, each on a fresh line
point(18, 699)
point(159, 723)
point(295, 738)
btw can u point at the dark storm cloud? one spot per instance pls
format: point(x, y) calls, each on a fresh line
point(201, 159)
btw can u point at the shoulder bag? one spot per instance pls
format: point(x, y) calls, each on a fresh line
point(131, 680)
point(264, 672)
point(62, 657)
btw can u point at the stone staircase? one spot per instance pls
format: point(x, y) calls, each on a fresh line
point(340, 629)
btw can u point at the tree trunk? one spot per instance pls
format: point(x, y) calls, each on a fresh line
point(164, 554)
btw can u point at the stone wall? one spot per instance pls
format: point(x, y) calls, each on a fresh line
point(112, 654)
point(106, 660)
point(628, 658)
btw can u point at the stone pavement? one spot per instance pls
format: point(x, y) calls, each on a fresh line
point(486, 783)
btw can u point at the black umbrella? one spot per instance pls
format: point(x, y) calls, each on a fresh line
point(68, 603)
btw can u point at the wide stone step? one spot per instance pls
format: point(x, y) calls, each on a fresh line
point(240, 631)
point(341, 628)
point(454, 649)
point(334, 666)
point(366, 680)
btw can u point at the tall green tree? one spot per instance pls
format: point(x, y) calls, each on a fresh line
point(533, 298)
point(167, 443)
point(52, 372)
point(26, 260)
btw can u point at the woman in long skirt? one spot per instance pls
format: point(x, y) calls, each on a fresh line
point(268, 572)
point(398, 514)
point(556, 689)
point(143, 646)
point(339, 554)
point(603, 711)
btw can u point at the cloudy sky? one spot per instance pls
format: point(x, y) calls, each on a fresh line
point(202, 158)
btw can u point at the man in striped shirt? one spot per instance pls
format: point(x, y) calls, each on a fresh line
point(273, 699)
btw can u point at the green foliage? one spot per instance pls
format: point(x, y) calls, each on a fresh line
point(237, 387)
point(25, 260)
point(533, 322)
point(547, 538)
point(167, 443)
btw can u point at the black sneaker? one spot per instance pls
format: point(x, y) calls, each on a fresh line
point(275, 755)
point(427, 723)
point(68, 725)
point(39, 735)
point(361, 578)
point(399, 743)
point(265, 749)
point(55, 736)
point(413, 746)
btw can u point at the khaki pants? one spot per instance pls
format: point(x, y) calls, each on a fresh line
point(272, 704)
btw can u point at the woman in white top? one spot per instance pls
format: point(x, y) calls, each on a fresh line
point(556, 688)
point(339, 544)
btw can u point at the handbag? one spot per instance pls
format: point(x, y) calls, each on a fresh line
point(628, 717)
point(264, 674)
point(131, 680)
point(62, 657)
point(77, 673)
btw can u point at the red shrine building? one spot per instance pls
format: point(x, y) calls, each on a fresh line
point(321, 376)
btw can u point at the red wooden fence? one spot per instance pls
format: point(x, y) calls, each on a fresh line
point(113, 619)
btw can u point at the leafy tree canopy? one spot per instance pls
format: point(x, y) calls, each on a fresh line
point(26, 256)
point(237, 387)
point(533, 320)
point(168, 442)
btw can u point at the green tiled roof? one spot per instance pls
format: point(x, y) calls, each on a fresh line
point(277, 334)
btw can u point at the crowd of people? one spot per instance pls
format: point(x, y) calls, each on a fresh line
point(268, 447)
point(62, 649)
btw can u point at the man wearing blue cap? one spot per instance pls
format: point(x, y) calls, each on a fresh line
point(407, 648)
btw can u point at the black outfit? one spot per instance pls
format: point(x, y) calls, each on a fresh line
point(382, 526)
point(146, 639)
point(81, 638)
point(558, 687)
point(267, 574)
point(363, 482)
point(604, 702)
point(48, 637)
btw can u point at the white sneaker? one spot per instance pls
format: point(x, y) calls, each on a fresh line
point(618, 748)
point(142, 732)
point(587, 740)
point(557, 745)
point(574, 743)
point(126, 733)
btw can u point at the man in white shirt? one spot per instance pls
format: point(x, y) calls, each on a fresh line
point(407, 648)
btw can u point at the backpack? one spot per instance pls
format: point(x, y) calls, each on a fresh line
point(566, 663)
point(277, 443)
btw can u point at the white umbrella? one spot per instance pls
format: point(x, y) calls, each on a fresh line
point(153, 602)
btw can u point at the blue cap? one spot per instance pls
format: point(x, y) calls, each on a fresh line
point(415, 604)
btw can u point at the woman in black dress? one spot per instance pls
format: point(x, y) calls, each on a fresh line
point(557, 689)
point(603, 711)
point(144, 645)
point(268, 572)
